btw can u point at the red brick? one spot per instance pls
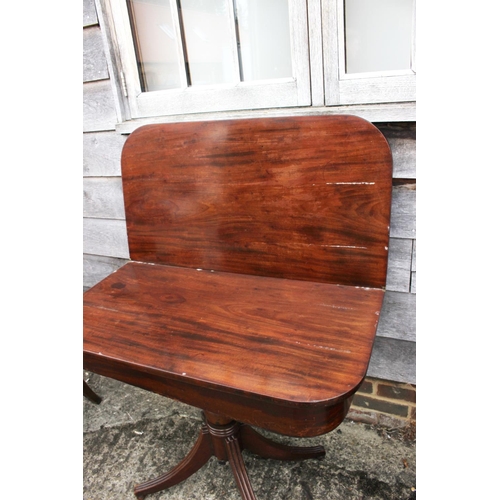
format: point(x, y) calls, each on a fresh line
point(394, 392)
point(379, 405)
point(366, 387)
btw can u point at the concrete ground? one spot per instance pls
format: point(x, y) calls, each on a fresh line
point(133, 436)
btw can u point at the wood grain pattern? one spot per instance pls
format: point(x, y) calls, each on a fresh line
point(300, 198)
point(276, 335)
point(218, 214)
point(260, 253)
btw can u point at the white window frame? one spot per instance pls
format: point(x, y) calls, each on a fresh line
point(283, 92)
point(342, 88)
point(319, 85)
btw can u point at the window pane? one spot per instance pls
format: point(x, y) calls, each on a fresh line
point(156, 44)
point(378, 35)
point(210, 41)
point(264, 36)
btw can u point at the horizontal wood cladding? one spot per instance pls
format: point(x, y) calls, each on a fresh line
point(98, 106)
point(94, 59)
point(398, 273)
point(105, 237)
point(398, 316)
point(89, 13)
point(103, 198)
point(403, 211)
point(101, 154)
point(402, 140)
point(393, 359)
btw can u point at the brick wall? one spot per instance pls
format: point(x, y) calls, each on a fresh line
point(385, 403)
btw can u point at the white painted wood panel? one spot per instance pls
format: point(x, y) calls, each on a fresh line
point(98, 106)
point(218, 98)
point(102, 153)
point(378, 89)
point(341, 89)
point(103, 198)
point(299, 42)
point(105, 237)
point(89, 13)
point(397, 112)
point(295, 91)
point(316, 53)
point(94, 59)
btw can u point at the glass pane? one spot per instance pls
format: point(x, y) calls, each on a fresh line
point(264, 36)
point(378, 35)
point(210, 42)
point(156, 44)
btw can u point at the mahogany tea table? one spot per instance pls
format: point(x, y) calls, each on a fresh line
point(258, 265)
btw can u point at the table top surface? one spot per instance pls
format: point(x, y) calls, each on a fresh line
point(289, 219)
point(304, 198)
point(288, 340)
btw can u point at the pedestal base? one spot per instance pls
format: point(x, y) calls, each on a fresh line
point(226, 439)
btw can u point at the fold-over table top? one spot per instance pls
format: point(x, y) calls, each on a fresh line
point(288, 340)
point(288, 221)
point(304, 198)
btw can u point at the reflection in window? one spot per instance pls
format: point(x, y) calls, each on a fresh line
point(183, 43)
point(156, 41)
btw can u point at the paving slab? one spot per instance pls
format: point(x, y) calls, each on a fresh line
point(133, 436)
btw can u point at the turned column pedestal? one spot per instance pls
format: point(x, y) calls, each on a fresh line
point(226, 439)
